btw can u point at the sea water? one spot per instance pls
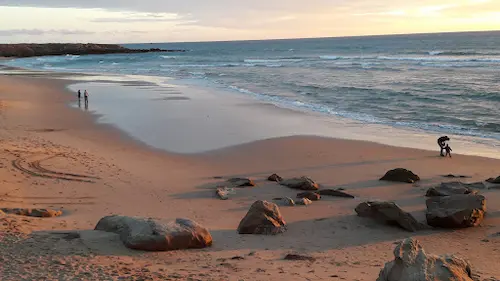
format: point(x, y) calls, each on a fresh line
point(439, 83)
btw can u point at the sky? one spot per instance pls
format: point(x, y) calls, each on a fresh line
point(134, 21)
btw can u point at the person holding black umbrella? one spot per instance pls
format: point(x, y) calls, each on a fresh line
point(442, 144)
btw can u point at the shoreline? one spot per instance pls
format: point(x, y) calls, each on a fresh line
point(318, 124)
point(137, 180)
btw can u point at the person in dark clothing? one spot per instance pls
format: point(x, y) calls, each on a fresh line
point(448, 150)
point(441, 142)
point(79, 94)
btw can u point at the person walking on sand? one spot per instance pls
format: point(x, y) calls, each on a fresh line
point(448, 150)
point(86, 97)
point(442, 144)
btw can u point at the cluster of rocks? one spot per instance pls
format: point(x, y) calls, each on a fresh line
point(310, 190)
point(39, 213)
point(32, 50)
point(450, 205)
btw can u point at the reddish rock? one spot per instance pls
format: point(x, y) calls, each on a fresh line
point(262, 218)
point(313, 196)
point(302, 183)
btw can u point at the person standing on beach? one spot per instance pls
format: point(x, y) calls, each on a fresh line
point(86, 97)
point(441, 142)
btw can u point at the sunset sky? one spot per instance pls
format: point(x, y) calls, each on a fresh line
point(122, 21)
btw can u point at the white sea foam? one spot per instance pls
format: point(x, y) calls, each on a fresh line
point(267, 61)
point(329, 57)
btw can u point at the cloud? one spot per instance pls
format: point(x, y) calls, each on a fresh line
point(130, 17)
point(39, 32)
point(193, 20)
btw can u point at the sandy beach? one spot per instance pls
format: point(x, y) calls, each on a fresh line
point(124, 176)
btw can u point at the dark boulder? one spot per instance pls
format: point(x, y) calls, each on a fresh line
point(456, 211)
point(298, 257)
point(388, 213)
point(493, 180)
point(400, 175)
point(275, 178)
point(262, 218)
point(313, 196)
point(453, 188)
point(302, 183)
point(241, 182)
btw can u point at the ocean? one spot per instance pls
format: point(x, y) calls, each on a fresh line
point(440, 83)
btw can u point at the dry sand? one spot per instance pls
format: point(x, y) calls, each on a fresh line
point(38, 130)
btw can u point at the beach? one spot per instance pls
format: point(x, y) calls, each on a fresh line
point(42, 125)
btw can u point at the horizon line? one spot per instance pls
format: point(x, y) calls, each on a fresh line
point(321, 37)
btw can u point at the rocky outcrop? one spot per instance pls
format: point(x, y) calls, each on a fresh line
point(302, 183)
point(262, 218)
point(313, 196)
point(400, 175)
point(151, 235)
point(36, 50)
point(453, 188)
point(494, 180)
point(336, 193)
point(456, 211)
point(38, 213)
point(412, 263)
point(241, 182)
point(388, 213)
point(275, 178)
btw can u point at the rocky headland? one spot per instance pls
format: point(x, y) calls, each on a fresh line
point(37, 50)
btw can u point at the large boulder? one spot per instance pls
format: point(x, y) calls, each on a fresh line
point(456, 211)
point(412, 263)
point(400, 175)
point(333, 192)
point(388, 213)
point(453, 188)
point(151, 235)
point(302, 183)
point(494, 180)
point(262, 218)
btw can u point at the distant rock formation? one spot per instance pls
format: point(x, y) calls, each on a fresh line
point(53, 49)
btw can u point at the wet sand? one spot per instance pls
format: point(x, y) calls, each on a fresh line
point(38, 129)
